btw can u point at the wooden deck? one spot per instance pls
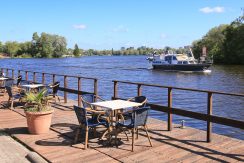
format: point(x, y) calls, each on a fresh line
point(179, 145)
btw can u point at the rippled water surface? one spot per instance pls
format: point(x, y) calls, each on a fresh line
point(136, 69)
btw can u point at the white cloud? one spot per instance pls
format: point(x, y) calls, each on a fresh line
point(216, 9)
point(121, 29)
point(163, 36)
point(79, 26)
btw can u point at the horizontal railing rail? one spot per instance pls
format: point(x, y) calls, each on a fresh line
point(65, 88)
point(209, 118)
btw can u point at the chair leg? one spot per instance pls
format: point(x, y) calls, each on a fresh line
point(126, 135)
point(77, 135)
point(137, 133)
point(94, 132)
point(86, 138)
point(12, 104)
point(58, 98)
point(116, 137)
point(133, 139)
point(148, 135)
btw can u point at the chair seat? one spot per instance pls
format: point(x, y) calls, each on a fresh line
point(93, 122)
point(17, 96)
point(126, 123)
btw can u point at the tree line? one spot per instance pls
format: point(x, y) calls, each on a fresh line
point(225, 44)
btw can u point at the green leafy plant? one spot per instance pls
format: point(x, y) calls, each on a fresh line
point(37, 102)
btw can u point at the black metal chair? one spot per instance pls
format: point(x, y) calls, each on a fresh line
point(54, 90)
point(86, 123)
point(12, 97)
point(139, 99)
point(89, 98)
point(19, 79)
point(138, 119)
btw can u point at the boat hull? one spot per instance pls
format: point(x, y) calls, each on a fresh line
point(182, 67)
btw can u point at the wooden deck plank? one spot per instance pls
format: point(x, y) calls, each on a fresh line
point(179, 145)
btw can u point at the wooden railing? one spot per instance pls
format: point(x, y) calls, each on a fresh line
point(209, 118)
point(25, 75)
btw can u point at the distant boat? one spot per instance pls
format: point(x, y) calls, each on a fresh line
point(178, 62)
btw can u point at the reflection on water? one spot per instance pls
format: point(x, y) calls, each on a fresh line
point(136, 69)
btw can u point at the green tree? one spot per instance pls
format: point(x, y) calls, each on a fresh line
point(46, 46)
point(59, 45)
point(36, 46)
point(76, 51)
point(11, 48)
point(233, 44)
point(1, 47)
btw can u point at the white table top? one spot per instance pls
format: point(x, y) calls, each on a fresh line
point(3, 78)
point(33, 85)
point(116, 104)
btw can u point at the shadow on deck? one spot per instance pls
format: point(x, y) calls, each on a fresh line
point(179, 145)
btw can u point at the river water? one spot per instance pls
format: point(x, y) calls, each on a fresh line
point(137, 69)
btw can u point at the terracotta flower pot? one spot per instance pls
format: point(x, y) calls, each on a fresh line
point(38, 122)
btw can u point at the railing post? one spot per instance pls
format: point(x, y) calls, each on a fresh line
point(43, 78)
point(210, 110)
point(26, 75)
point(79, 89)
point(7, 72)
point(34, 77)
point(139, 90)
point(95, 88)
point(65, 86)
point(54, 78)
point(115, 89)
point(170, 109)
point(13, 73)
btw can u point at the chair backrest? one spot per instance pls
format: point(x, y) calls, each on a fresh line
point(140, 116)
point(9, 82)
point(140, 99)
point(87, 99)
point(2, 74)
point(55, 87)
point(9, 91)
point(19, 80)
point(81, 115)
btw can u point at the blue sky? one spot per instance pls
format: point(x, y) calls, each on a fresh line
point(106, 24)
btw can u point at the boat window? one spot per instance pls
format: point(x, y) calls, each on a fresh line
point(184, 62)
point(167, 58)
point(174, 58)
point(179, 62)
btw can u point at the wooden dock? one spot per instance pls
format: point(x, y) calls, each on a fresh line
point(178, 145)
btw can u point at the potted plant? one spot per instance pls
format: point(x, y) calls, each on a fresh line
point(38, 112)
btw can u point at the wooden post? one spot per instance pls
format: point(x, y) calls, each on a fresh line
point(95, 89)
point(43, 78)
point(54, 78)
point(13, 73)
point(139, 90)
point(18, 72)
point(79, 89)
point(65, 86)
point(26, 75)
point(115, 89)
point(210, 110)
point(170, 109)
point(34, 77)
point(7, 72)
